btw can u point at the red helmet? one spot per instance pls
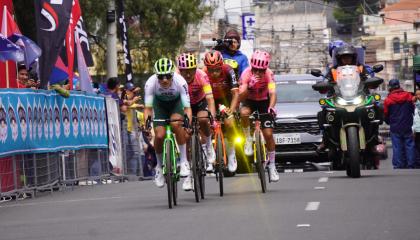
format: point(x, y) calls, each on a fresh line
point(260, 59)
point(213, 59)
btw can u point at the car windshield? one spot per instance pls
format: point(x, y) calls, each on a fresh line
point(296, 91)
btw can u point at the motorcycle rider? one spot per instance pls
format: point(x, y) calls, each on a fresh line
point(345, 55)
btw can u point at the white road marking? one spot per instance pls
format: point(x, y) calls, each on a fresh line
point(303, 225)
point(288, 170)
point(330, 172)
point(323, 179)
point(63, 201)
point(319, 188)
point(312, 206)
point(298, 170)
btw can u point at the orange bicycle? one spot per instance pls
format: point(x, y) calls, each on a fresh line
point(220, 148)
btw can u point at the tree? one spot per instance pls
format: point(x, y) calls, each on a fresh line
point(161, 30)
point(348, 11)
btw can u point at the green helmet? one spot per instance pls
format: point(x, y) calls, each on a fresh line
point(164, 66)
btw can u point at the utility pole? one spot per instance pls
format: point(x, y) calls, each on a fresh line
point(405, 50)
point(111, 43)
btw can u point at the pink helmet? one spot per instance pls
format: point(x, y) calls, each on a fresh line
point(260, 59)
point(187, 61)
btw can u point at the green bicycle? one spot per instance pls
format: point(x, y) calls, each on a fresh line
point(169, 164)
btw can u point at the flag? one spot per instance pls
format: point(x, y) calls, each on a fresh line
point(84, 41)
point(74, 18)
point(84, 77)
point(10, 51)
point(59, 72)
point(31, 50)
point(52, 20)
point(124, 39)
point(8, 78)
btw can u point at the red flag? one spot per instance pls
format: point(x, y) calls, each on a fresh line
point(8, 25)
point(76, 12)
point(8, 4)
point(7, 69)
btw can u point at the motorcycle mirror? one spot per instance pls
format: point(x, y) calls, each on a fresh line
point(377, 68)
point(322, 87)
point(316, 72)
point(374, 82)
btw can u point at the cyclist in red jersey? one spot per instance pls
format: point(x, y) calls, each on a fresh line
point(225, 92)
point(258, 93)
point(201, 99)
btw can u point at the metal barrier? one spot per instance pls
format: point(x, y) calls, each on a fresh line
point(27, 174)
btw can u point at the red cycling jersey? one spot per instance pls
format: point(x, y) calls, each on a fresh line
point(223, 85)
point(258, 89)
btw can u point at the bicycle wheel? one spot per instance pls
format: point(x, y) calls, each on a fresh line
point(168, 175)
point(175, 180)
point(260, 161)
point(220, 162)
point(195, 151)
point(202, 172)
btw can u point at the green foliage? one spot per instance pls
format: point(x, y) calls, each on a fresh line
point(348, 11)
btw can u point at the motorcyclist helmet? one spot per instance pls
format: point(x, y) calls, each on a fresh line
point(333, 45)
point(345, 51)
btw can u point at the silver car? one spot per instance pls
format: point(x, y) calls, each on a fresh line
point(297, 134)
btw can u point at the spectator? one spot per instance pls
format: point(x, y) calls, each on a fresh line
point(416, 126)
point(23, 78)
point(232, 50)
point(398, 112)
point(133, 146)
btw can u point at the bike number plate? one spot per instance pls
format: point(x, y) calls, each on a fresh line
point(283, 139)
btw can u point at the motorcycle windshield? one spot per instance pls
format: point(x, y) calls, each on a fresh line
point(348, 81)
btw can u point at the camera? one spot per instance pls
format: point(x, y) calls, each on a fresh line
point(222, 44)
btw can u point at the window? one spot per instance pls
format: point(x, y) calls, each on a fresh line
point(396, 45)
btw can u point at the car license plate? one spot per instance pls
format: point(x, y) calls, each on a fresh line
point(282, 139)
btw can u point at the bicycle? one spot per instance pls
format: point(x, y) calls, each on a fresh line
point(220, 147)
point(260, 153)
point(169, 157)
point(198, 161)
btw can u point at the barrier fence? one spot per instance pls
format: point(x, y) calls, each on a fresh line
point(59, 143)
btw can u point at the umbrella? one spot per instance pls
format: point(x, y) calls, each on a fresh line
point(10, 51)
point(31, 50)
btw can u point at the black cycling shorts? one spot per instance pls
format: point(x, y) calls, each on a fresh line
point(267, 121)
point(198, 107)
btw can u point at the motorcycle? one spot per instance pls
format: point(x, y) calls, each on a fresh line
point(350, 118)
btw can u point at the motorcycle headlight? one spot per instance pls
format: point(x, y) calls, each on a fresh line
point(356, 101)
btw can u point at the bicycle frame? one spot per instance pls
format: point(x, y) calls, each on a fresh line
point(218, 132)
point(169, 137)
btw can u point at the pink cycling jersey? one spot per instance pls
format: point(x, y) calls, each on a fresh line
point(258, 89)
point(199, 88)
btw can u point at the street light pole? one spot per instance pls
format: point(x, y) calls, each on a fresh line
point(111, 44)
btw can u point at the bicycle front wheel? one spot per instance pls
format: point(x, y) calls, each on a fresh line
point(220, 162)
point(202, 172)
point(195, 156)
point(168, 175)
point(260, 161)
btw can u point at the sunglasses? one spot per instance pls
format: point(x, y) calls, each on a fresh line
point(214, 70)
point(256, 70)
point(163, 76)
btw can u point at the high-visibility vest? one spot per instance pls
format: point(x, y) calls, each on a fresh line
point(334, 72)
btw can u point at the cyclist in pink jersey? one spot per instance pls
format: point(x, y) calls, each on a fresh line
point(257, 91)
point(201, 99)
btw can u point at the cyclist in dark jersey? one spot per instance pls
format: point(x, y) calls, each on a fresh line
point(225, 89)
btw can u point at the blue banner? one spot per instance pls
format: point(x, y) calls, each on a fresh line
point(33, 121)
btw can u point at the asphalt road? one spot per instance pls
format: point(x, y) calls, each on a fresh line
point(383, 204)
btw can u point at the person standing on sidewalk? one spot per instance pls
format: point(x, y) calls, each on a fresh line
point(416, 127)
point(399, 112)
